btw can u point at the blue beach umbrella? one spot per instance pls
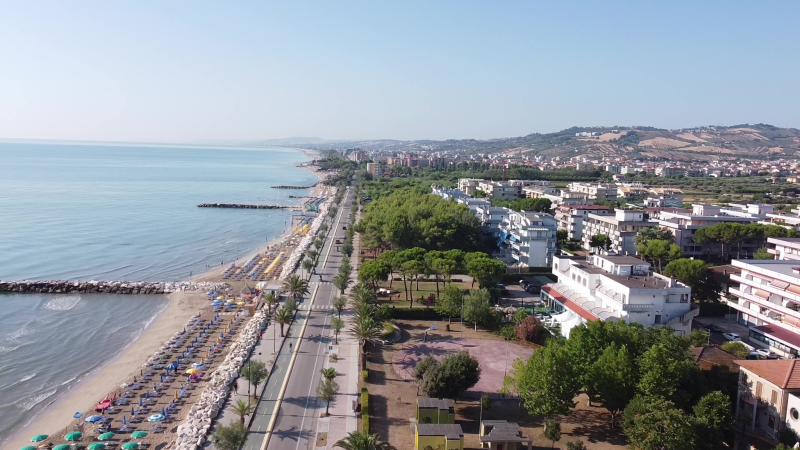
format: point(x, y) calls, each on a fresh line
point(133, 411)
point(94, 419)
point(172, 366)
point(124, 422)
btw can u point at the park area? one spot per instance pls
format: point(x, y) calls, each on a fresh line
point(391, 382)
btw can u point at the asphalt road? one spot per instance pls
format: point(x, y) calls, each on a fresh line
point(296, 425)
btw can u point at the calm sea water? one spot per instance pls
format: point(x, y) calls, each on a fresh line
point(115, 212)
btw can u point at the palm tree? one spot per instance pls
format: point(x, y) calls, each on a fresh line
point(363, 441)
point(254, 372)
point(318, 243)
point(311, 253)
point(231, 437)
point(271, 299)
point(337, 324)
point(296, 286)
point(327, 391)
point(366, 329)
point(242, 409)
point(329, 373)
point(363, 294)
point(339, 303)
point(341, 282)
point(308, 265)
point(283, 317)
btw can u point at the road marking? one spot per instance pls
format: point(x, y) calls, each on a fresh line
point(314, 372)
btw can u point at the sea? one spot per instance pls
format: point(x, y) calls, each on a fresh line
point(116, 211)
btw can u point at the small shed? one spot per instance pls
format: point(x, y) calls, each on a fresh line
point(437, 436)
point(502, 435)
point(435, 410)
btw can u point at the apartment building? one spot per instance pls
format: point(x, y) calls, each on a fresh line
point(469, 185)
point(490, 217)
point(539, 191)
point(501, 189)
point(669, 171)
point(684, 226)
point(603, 287)
point(769, 395)
point(571, 218)
point(788, 221)
point(767, 301)
point(786, 249)
point(595, 191)
point(528, 238)
point(620, 228)
point(374, 169)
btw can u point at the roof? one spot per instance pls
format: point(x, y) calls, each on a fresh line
point(587, 207)
point(636, 282)
point(708, 357)
point(726, 269)
point(784, 373)
point(503, 431)
point(623, 259)
point(439, 403)
point(449, 431)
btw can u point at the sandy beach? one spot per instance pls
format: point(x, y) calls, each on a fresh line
point(181, 307)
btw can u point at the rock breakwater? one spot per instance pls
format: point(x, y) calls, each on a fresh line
point(244, 206)
point(106, 287)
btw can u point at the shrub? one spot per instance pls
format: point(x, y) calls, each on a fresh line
point(364, 410)
point(388, 330)
point(507, 332)
point(414, 314)
point(528, 329)
point(364, 375)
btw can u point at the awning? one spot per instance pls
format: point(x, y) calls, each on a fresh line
point(500, 242)
point(503, 235)
point(512, 238)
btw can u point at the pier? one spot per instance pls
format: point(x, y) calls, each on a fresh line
point(294, 187)
point(246, 206)
point(104, 287)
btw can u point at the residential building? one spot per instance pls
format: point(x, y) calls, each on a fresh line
point(786, 249)
point(490, 218)
point(768, 303)
point(528, 237)
point(617, 288)
point(620, 228)
point(502, 435)
point(571, 217)
point(500, 189)
point(712, 356)
point(374, 169)
point(595, 191)
point(669, 171)
point(788, 221)
point(469, 185)
point(539, 191)
point(769, 395)
point(435, 410)
point(438, 436)
point(684, 226)
point(447, 193)
point(613, 169)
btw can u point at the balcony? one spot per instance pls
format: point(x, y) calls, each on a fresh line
point(772, 290)
point(777, 321)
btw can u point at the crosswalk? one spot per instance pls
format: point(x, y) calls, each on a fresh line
point(315, 307)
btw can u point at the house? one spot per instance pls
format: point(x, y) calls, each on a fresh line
point(616, 288)
point(712, 356)
point(435, 410)
point(438, 437)
point(769, 394)
point(502, 435)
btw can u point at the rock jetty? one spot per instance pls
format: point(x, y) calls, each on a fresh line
point(106, 287)
point(293, 187)
point(244, 206)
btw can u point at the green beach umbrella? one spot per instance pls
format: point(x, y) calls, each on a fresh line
point(97, 446)
point(139, 434)
point(61, 447)
point(106, 436)
point(74, 436)
point(28, 447)
point(39, 437)
point(130, 445)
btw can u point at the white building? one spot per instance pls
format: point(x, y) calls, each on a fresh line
point(595, 191)
point(620, 228)
point(786, 249)
point(469, 185)
point(528, 237)
point(768, 303)
point(571, 218)
point(617, 288)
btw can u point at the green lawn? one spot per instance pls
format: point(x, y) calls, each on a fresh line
point(425, 289)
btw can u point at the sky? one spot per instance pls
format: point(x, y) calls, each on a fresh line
point(192, 71)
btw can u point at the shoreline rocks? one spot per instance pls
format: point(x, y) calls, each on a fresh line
point(106, 287)
point(243, 206)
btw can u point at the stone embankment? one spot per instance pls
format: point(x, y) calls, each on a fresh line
point(294, 187)
point(106, 287)
point(244, 206)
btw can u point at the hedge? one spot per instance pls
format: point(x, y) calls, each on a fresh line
point(414, 314)
point(364, 410)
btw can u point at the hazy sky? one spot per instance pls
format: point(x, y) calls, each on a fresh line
point(192, 70)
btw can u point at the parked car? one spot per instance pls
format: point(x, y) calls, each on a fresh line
point(731, 336)
point(533, 289)
point(765, 353)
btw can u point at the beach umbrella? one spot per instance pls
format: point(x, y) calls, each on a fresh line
point(192, 371)
point(133, 411)
point(94, 419)
point(74, 436)
point(139, 434)
point(105, 436)
point(28, 447)
point(156, 418)
point(172, 366)
point(124, 422)
point(97, 446)
point(39, 438)
point(130, 446)
point(176, 395)
point(61, 447)
point(140, 402)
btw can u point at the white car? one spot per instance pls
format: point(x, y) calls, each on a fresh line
point(769, 354)
point(731, 336)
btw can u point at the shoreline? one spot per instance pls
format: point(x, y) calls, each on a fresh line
point(181, 306)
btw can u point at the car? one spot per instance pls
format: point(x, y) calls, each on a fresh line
point(731, 336)
point(765, 353)
point(523, 282)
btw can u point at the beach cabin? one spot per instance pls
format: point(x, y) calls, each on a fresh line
point(267, 288)
point(502, 435)
point(435, 410)
point(438, 437)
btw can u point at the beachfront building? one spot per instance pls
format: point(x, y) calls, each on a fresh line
point(769, 395)
point(528, 237)
point(684, 225)
point(600, 287)
point(571, 218)
point(785, 249)
point(768, 303)
point(621, 227)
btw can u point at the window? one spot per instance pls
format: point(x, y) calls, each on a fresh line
point(758, 389)
point(658, 318)
point(794, 414)
point(774, 399)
